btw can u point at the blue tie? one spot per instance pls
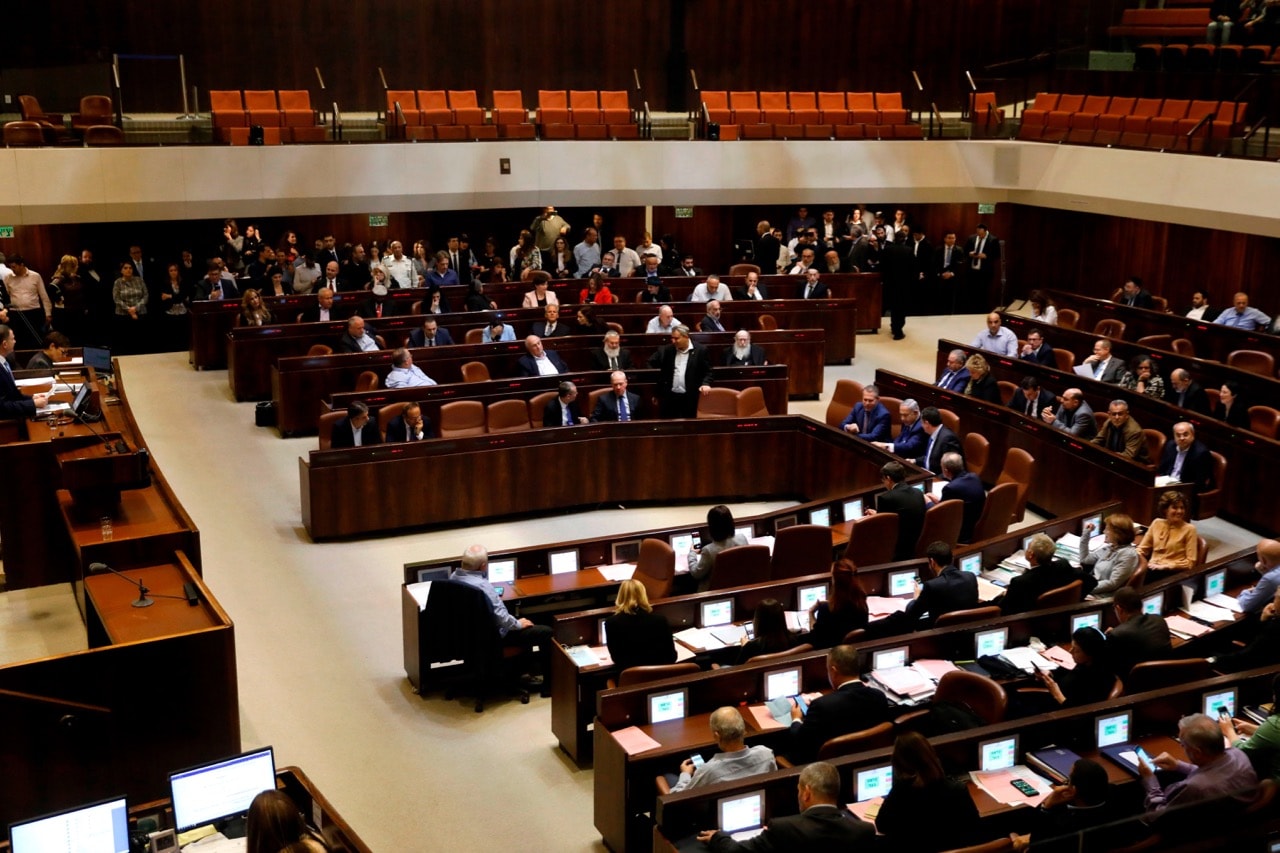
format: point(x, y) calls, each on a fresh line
point(623, 414)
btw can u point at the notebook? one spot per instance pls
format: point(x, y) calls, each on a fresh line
point(1054, 762)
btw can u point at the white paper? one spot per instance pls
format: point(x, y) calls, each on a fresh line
point(1209, 613)
point(1226, 601)
point(766, 541)
point(420, 592)
point(619, 572)
point(797, 621)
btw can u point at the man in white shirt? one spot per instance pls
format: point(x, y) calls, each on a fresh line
point(712, 288)
point(664, 323)
point(357, 337)
point(997, 338)
point(404, 373)
point(1101, 365)
point(1200, 309)
point(540, 361)
point(734, 759)
point(626, 260)
point(399, 268)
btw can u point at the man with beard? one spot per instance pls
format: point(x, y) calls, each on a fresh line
point(743, 353)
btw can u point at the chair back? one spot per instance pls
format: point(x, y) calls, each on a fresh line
point(507, 416)
point(97, 135)
point(739, 566)
point(1202, 552)
point(1184, 347)
point(767, 322)
point(743, 269)
point(847, 394)
point(1064, 359)
point(1007, 390)
point(1155, 674)
point(950, 420)
point(318, 349)
point(1214, 396)
point(387, 413)
point(751, 403)
point(980, 694)
point(473, 336)
point(1018, 466)
point(656, 567)
point(538, 404)
point(973, 614)
point(1001, 502)
point(23, 134)
point(634, 675)
point(367, 381)
point(894, 405)
point(1139, 576)
point(1109, 328)
point(794, 650)
point(1072, 593)
point(718, 403)
point(872, 539)
point(942, 523)
point(325, 427)
point(1254, 361)
point(475, 371)
point(873, 738)
point(801, 549)
point(461, 418)
point(976, 450)
point(1164, 342)
point(1210, 501)
point(1155, 444)
point(1068, 318)
point(1264, 420)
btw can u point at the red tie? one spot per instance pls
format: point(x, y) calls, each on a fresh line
point(379, 312)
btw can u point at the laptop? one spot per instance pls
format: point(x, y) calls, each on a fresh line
point(1215, 583)
point(668, 706)
point(99, 358)
point(820, 516)
point(563, 562)
point(901, 583)
point(873, 782)
point(101, 827)
point(1092, 619)
point(807, 596)
point(972, 564)
point(502, 572)
point(220, 792)
point(890, 658)
point(852, 509)
point(1216, 700)
point(718, 612)
point(999, 754)
point(990, 642)
point(742, 816)
point(781, 683)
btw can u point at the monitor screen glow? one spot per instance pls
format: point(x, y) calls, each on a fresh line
point(820, 516)
point(1215, 583)
point(999, 754)
point(1096, 521)
point(807, 596)
point(1220, 699)
point(901, 583)
point(1092, 620)
point(874, 782)
point(852, 509)
point(682, 544)
point(101, 827)
point(220, 790)
point(738, 813)
point(603, 633)
point(667, 706)
point(1153, 603)
point(782, 682)
point(502, 571)
point(718, 612)
point(922, 486)
point(563, 562)
point(1111, 729)
point(889, 658)
point(991, 642)
point(972, 564)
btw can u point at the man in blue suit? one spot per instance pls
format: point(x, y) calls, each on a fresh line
point(956, 376)
point(563, 409)
point(14, 405)
point(911, 440)
point(540, 361)
point(962, 486)
point(621, 405)
point(869, 420)
point(430, 335)
point(948, 590)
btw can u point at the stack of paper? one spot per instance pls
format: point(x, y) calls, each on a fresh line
point(987, 591)
point(1016, 563)
point(905, 683)
point(1184, 628)
point(730, 635)
point(766, 541)
point(867, 810)
point(698, 639)
point(933, 669)
point(763, 719)
point(633, 740)
point(1060, 656)
point(619, 572)
point(1225, 601)
point(1000, 575)
point(582, 656)
point(999, 785)
point(798, 621)
point(1027, 659)
point(878, 606)
point(420, 591)
point(1208, 613)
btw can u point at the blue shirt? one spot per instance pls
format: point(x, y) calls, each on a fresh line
point(501, 615)
point(508, 334)
point(1250, 319)
point(1253, 600)
point(408, 377)
point(876, 426)
point(586, 257)
point(1003, 342)
point(435, 278)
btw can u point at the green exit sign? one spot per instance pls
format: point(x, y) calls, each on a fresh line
point(684, 213)
point(377, 220)
point(986, 209)
point(6, 232)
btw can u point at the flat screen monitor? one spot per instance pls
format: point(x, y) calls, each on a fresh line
point(682, 544)
point(901, 583)
point(745, 532)
point(1153, 604)
point(1216, 700)
point(890, 658)
point(782, 682)
point(1111, 729)
point(668, 706)
point(990, 642)
point(602, 632)
point(563, 562)
point(81, 400)
point(1092, 619)
point(1215, 583)
point(502, 571)
point(820, 516)
point(220, 790)
point(1096, 521)
point(1026, 541)
point(740, 813)
point(922, 486)
point(852, 509)
point(807, 596)
point(999, 754)
point(784, 522)
point(99, 358)
point(101, 827)
point(434, 573)
point(873, 782)
point(972, 564)
point(718, 612)
point(625, 552)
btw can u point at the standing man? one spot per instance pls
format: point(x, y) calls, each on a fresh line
point(519, 633)
point(30, 309)
point(399, 267)
point(546, 227)
point(684, 375)
point(625, 258)
point(949, 266)
point(587, 253)
point(621, 405)
point(983, 252)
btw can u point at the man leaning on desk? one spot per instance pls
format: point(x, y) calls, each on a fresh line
point(850, 707)
point(13, 403)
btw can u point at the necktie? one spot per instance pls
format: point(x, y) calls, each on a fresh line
point(946, 377)
point(455, 260)
point(1115, 442)
point(1177, 464)
point(1031, 408)
point(623, 414)
point(946, 259)
point(566, 415)
point(863, 428)
point(613, 362)
point(431, 342)
point(1097, 369)
point(928, 451)
point(808, 288)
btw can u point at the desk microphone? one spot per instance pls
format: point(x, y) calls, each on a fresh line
point(118, 446)
point(142, 601)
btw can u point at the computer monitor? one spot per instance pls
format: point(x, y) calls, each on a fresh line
point(668, 706)
point(434, 573)
point(1092, 619)
point(99, 358)
point(784, 522)
point(502, 571)
point(1111, 729)
point(625, 552)
point(999, 754)
point(972, 563)
point(563, 562)
point(1153, 604)
point(807, 596)
point(602, 632)
point(922, 486)
point(1215, 700)
point(80, 401)
point(1096, 521)
point(852, 509)
point(221, 789)
point(782, 682)
point(820, 516)
point(682, 544)
point(990, 642)
point(101, 827)
point(718, 612)
point(740, 813)
point(873, 782)
point(1215, 583)
point(746, 531)
point(902, 583)
point(1026, 541)
point(890, 658)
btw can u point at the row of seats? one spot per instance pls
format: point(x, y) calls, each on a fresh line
point(456, 115)
point(808, 115)
point(26, 134)
point(95, 111)
point(1203, 57)
point(1136, 122)
point(284, 115)
point(1182, 23)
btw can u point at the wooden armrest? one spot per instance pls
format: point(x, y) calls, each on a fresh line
point(661, 783)
point(910, 717)
point(783, 761)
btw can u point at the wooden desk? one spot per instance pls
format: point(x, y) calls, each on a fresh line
point(109, 606)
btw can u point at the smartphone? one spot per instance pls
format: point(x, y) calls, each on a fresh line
point(801, 704)
point(499, 590)
point(1223, 712)
point(1023, 787)
point(1142, 756)
point(697, 760)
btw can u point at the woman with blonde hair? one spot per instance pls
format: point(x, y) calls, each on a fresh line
point(637, 636)
point(982, 385)
point(252, 311)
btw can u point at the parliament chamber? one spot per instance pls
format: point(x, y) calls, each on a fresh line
point(296, 640)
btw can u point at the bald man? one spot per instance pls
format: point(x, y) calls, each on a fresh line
point(1259, 595)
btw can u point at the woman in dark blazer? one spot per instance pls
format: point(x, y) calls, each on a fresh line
point(982, 385)
point(1232, 408)
point(771, 634)
point(636, 635)
point(844, 610)
point(924, 810)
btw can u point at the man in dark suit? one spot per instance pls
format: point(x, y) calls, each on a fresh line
point(962, 486)
point(752, 289)
point(711, 322)
point(1031, 400)
point(611, 356)
point(869, 420)
point(14, 405)
point(550, 326)
point(1074, 415)
point(1037, 349)
point(949, 589)
point(540, 361)
point(1186, 459)
point(911, 439)
point(563, 410)
point(907, 502)
point(1103, 366)
point(684, 375)
point(1047, 572)
point(814, 287)
point(358, 337)
point(949, 266)
point(822, 825)
point(743, 353)
point(357, 429)
point(687, 268)
point(430, 335)
point(851, 706)
point(941, 441)
point(321, 311)
point(1134, 294)
point(1200, 308)
point(1185, 392)
point(410, 425)
point(983, 252)
point(955, 376)
point(328, 250)
point(1137, 636)
point(379, 304)
point(620, 404)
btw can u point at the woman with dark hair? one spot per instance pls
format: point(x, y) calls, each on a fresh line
point(1231, 407)
point(1143, 378)
point(435, 303)
point(588, 323)
point(924, 810)
point(596, 291)
point(771, 634)
point(476, 300)
point(1171, 541)
point(130, 295)
point(525, 257)
point(173, 298)
point(1090, 680)
point(703, 560)
point(1042, 310)
point(559, 262)
point(276, 826)
point(982, 385)
point(844, 610)
point(637, 636)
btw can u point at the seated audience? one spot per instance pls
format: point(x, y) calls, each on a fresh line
point(1137, 636)
point(947, 590)
point(540, 361)
point(1101, 365)
point(1042, 311)
point(1211, 771)
point(550, 326)
point(912, 440)
point(55, 349)
point(252, 311)
point(1115, 561)
point(587, 322)
point(982, 385)
point(1241, 316)
point(636, 635)
point(1037, 350)
point(703, 559)
point(1232, 409)
point(710, 289)
point(1074, 415)
point(430, 335)
point(1080, 804)
point(1170, 542)
point(14, 405)
point(901, 498)
point(1122, 434)
point(925, 810)
point(497, 332)
point(611, 355)
point(404, 373)
point(1253, 599)
point(770, 632)
point(1048, 572)
point(1200, 309)
point(1260, 743)
point(664, 323)
point(275, 825)
point(743, 353)
point(409, 425)
point(851, 706)
point(844, 610)
point(869, 420)
point(1186, 393)
point(1263, 649)
point(752, 289)
point(620, 405)
point(357, 429)
point(655, 292)
point(542, 295)
point(962, 486)
point(357, 337)
point(322, 311)
point(563, 409)
point(955, 377)
point(997, 339)
point(596, 291)
point(1142, 378)
point(1187, 460)
point(735, 760)
point(1091, 679)
point(1134, 294)
point(476, 300)
point(435, 303)
point(1030, 399)
point(519, 633)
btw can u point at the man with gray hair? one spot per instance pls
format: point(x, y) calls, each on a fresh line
point(611, 356)
point(1122, 434)
point(1186, 393)
point(1211, 771)
point(962, 486)
point(710, 289)
point(1048, 571)
point(743, 353)
point(734, 760)
point(1074, 415)
point(663, 323)
point(956, 376)
point(911, 441)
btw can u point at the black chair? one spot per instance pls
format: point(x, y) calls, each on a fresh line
point(459, 626)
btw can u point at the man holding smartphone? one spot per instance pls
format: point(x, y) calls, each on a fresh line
point(1211, 771)
point(734, 760)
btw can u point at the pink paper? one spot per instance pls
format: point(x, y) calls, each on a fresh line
point(633, 740)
